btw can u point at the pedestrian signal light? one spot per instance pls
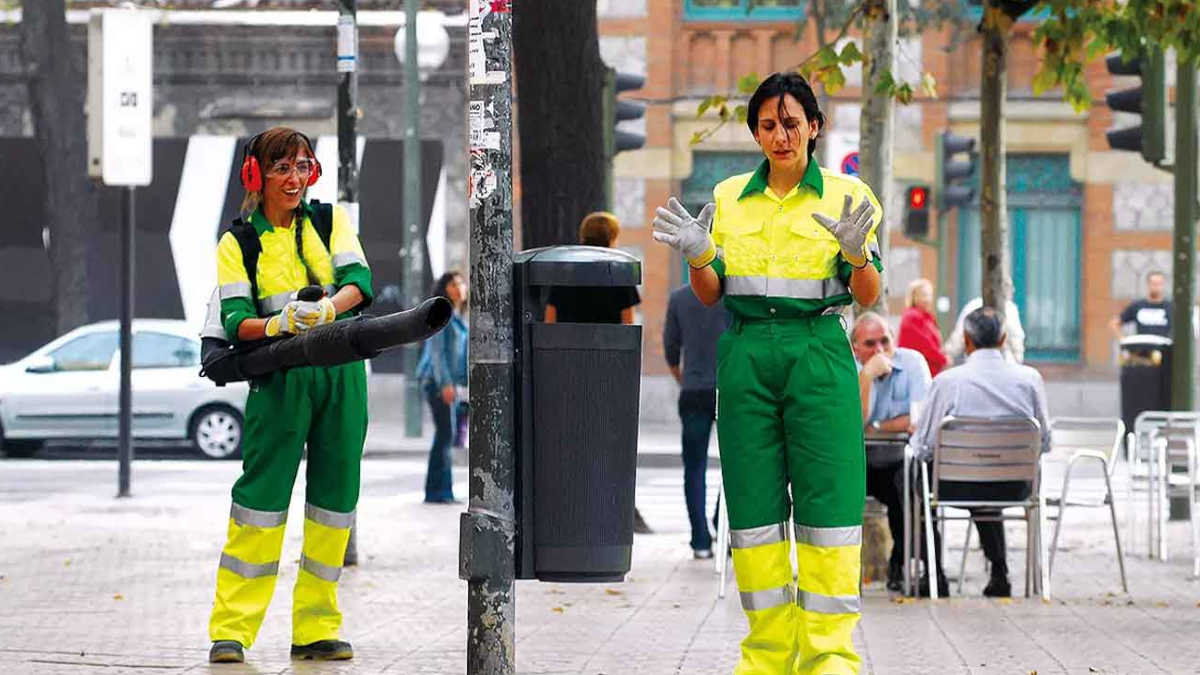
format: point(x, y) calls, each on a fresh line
point(916, 212)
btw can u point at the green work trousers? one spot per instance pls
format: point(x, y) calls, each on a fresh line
point(324, 409)
point(789, 417)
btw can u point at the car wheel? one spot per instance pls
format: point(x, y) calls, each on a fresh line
point(217, 432)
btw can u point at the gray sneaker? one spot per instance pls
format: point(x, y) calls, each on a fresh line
point(324, 650)
point(226, 651)
point(702, 553)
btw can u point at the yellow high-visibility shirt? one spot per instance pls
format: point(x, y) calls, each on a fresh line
point(280, 271)
point(778, 262)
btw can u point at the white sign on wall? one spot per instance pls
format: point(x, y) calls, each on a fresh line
point(119, 104)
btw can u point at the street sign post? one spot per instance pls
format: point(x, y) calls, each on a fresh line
point(120, 110)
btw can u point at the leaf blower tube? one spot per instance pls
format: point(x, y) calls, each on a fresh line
point(332, 344)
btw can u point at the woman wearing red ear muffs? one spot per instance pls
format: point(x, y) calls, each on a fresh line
point(285, 243)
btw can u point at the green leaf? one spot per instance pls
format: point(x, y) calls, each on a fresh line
point(746, 84)
point(825, 57)
point(741, 112)
point(708, 103)
point(834, 80)
point(904, 93)
point(697, 137)
point(850, 54)
point(885, 84)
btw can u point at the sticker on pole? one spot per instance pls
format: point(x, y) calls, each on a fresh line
point(120, 107)
point(850, 163)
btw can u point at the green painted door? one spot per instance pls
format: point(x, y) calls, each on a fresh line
point(1044, 213)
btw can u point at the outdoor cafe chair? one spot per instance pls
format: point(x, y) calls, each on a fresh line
point(1168, 442)
point(978, 450)
point(1075, 441)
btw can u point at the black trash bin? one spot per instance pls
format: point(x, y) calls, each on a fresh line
point(1145, 376)
point(577, 421)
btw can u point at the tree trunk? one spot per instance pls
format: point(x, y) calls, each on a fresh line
point(560, 81)
point(71, 203)
point(877, 122)
point(993, 217)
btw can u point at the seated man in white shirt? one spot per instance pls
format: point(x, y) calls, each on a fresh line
point(988, 386)
point(890, 379)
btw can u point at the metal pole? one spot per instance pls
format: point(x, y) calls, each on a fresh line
point(410, 234)
point(1183, 356)
point(487, 536)
point(125, 401)
point(347, 133)
point(347, 114)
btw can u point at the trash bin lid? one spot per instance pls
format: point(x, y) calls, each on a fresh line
point(579, 266)
point(1145, 341)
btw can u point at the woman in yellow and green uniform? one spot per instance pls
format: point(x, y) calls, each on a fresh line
point(324, 408)
point(788, 247)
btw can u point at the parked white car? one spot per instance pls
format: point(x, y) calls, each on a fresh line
point(69, 389)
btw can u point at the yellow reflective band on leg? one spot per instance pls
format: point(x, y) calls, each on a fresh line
point(245, 576)
point(831, 571)
point(315, 613)
point(828, 604)
point(763, 567)
point(826, 644)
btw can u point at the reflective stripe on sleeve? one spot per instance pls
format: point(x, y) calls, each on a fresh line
point(829, 536)
point(758, 536)
point(320, 570)
point(329, 518)
point(348, 258)
point(249, 570)
point(247, 516)
point(772, 597)
point(235, 289)
point(274, 303)
point(800, 289)
point(828, 604)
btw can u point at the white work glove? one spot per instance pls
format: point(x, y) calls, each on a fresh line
point(689, 235)
point(287, 321)
point(851, 229)
point(316, 312)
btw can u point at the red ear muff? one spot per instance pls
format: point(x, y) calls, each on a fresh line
point(316, 172)
point(252, 175)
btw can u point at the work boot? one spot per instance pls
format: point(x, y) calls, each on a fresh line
point(324, 650)
point(895, 576)
point(998, 587)
point(226, 651)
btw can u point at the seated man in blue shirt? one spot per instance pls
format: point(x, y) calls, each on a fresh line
point(890, 379)
point(986, 386)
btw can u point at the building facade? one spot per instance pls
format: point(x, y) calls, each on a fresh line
point(1087, 223)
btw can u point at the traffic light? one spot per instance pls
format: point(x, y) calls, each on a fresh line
point(952, 179)
point(916, 212)
point(1148, 99)
point(621, 111)
point(616, 111)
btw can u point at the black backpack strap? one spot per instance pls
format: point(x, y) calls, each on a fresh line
point(322, 220)
point(247, 240)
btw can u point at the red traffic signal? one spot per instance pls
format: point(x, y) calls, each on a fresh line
point(918, 197)
point(916, 212)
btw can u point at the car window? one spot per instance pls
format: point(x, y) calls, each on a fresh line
point(86, 352)
point(159, 350)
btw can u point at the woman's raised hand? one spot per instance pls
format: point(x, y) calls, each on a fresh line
point(688, 234)
point(851, 229)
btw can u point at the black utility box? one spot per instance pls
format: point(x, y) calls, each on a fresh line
point(577, 421)
point(1145, 376)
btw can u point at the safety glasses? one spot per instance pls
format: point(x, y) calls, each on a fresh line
point(304, 167)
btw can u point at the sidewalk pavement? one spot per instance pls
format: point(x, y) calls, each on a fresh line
point(658, 444)
point(92, 584)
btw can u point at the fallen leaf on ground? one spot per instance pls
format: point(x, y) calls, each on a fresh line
point(1161, 603)
point(613, 591)
point(67, 562)
point(118, 596)
point(557, 610)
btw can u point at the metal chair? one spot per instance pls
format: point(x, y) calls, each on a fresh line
point(1084, 439)
point(1167, 442)
point(977, 450)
